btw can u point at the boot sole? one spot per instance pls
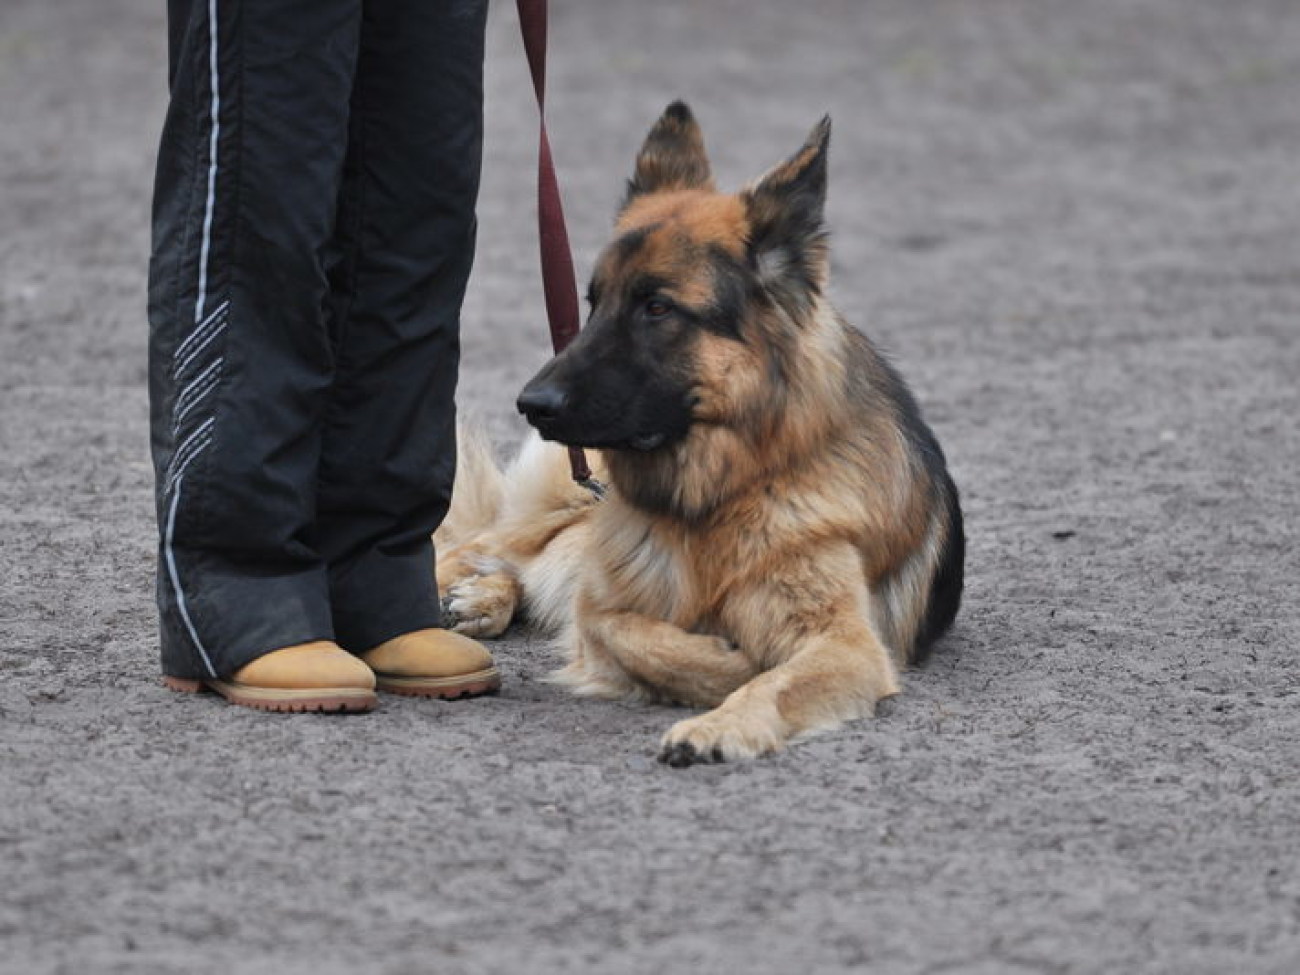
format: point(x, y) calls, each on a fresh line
point(448, 688)
point(341, 700)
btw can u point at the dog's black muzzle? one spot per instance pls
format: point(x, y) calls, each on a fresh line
point(547, 404)
point(603, 393)
point(550, 408)
point(542, 403)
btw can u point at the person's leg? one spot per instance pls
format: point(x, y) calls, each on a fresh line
point(403, 252)
point(248, 175)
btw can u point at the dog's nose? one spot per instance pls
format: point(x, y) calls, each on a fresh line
point(542, 402)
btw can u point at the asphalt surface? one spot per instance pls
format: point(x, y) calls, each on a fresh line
point(1076, 227)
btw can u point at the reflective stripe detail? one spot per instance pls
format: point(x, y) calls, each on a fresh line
point(210, 322)
point(174, 574)
point(187, 451)
point(198, 349)
point(193, 394)
point(206, 246)
point(192, 391)
point(199, 447)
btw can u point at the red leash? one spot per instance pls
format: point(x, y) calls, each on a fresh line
point(558, 276)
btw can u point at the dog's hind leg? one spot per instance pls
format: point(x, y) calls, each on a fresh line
point(516, 546)
point(477, 589)
point(480, 593)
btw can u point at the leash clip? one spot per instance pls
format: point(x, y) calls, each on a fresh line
point(596, 488)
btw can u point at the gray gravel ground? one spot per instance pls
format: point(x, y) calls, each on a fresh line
point(1076, 226)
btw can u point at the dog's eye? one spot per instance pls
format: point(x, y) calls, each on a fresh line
point(657, 308)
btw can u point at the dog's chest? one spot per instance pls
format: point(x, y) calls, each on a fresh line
point(659, 570)
point(645, 572)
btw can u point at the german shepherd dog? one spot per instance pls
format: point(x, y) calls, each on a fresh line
point(780, 535)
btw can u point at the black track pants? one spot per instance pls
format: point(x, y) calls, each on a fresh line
point(313, 230)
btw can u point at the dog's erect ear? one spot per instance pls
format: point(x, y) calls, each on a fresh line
point(672, 157)
point(787, 242)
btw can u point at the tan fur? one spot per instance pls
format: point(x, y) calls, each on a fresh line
point(773, 565)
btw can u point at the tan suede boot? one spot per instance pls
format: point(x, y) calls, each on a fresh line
point(319, 676)
point(433, 663)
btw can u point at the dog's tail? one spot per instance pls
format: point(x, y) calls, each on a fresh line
point(478, 493)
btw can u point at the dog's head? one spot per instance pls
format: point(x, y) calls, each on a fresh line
point(678, 293)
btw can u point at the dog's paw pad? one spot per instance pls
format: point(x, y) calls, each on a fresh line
point(683, 754)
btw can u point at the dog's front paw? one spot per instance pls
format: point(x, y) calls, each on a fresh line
point(480, 607)
point(720, 736)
